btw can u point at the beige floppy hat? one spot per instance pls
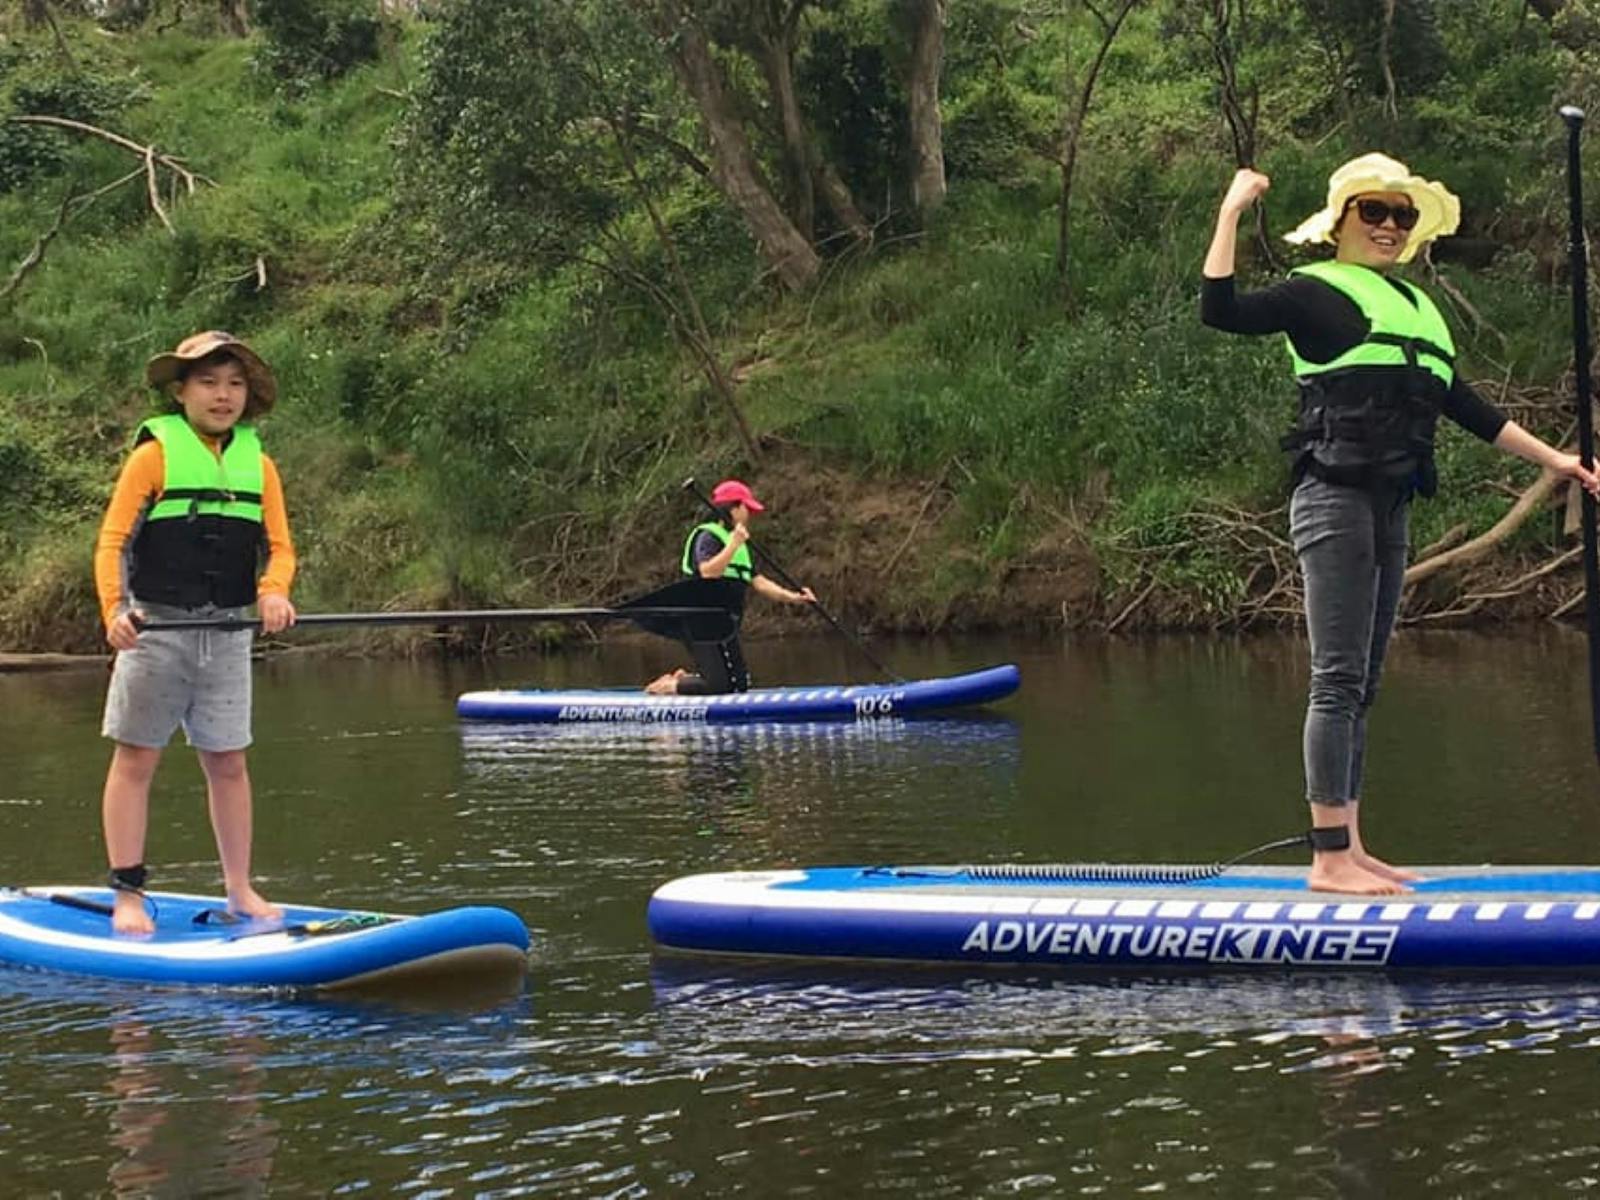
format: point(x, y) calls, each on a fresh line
point(1439, 212)
point(164, 368)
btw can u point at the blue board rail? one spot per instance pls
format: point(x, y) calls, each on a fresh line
point(1473, 918)
point(817, 702)
point(311, 948)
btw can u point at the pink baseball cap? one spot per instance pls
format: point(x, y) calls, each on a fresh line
point(732, 491)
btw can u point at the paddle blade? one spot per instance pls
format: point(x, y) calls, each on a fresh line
point(721, 602)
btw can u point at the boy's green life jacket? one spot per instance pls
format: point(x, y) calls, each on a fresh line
point(200, 542)
point(740, 567)
point(1368, 416)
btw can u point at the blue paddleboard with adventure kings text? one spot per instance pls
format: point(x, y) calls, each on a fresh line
point(1139, 917)
point(812, 702)
point(196, 944)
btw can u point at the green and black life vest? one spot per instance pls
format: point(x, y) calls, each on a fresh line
point(201, 540)
point(741, 566)
point(1368, 416)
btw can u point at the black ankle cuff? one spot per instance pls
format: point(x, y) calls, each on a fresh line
point(128, 879)
point(1329, 837)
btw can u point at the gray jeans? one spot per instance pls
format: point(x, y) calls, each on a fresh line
point(1352, 548)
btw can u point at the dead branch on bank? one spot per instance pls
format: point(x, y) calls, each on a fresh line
point(1269, 590)
point(1533, 498)
point(71, 205)
point(148, 156)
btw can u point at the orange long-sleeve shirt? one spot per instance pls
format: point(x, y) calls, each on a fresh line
point(141, 483)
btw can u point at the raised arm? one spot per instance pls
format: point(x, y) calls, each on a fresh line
point(1241, 194)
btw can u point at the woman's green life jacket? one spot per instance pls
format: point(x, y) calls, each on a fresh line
point(200, 542)
point(740, 567)
point(1368, 416)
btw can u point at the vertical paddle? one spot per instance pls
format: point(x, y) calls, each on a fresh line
point(689, 485)
point(1581, 354)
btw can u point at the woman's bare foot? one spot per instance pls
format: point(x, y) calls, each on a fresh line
point(128, 914)
point(248, 902)
point(1338, 872)
point(1383, 870)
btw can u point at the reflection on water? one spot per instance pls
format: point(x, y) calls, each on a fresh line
point(818, 747)
point(222, 1145)
point(710, 1001)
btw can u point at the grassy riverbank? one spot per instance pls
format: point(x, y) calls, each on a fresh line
point(948, 439)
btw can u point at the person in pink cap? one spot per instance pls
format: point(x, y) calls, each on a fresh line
point(719, 549)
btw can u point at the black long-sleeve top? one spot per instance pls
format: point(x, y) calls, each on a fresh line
point(1324, 323)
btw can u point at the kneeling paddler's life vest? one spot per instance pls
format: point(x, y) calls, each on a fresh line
point(1368, 416)
point(201, 540)
point(741, 566)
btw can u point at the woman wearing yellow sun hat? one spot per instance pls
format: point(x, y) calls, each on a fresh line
point(1375, 364)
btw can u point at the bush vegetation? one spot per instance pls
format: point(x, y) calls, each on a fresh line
point(498, 301)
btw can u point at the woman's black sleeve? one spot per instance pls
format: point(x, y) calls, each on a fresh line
point(1321, 321)
point(1472, 412)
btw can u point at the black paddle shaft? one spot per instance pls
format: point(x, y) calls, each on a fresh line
point(704, 609)
point(689, 485)
point(1581, 353)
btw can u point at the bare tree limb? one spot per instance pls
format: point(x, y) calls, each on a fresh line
point(36, 255)
point(1535, 496)
point(175, 165)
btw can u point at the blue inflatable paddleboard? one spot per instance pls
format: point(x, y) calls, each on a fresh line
point(68, 929)
point(1139, 917)
point(817, 702)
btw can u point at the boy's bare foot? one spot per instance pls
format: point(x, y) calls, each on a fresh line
point(1340, 873)
point(128, 914)
point(248, 902)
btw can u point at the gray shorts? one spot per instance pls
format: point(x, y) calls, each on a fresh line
point(199, 679)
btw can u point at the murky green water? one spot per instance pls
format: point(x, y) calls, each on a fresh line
point(615, 1074)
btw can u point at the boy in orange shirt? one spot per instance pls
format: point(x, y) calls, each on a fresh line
point(182, 537)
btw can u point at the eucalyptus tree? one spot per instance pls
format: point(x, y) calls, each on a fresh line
point(772, 33)
point(548, 132)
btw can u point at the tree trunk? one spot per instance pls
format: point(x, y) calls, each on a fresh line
point(733, 162)
point(808, 173)
point(34, 13)
point(1072, 132)
point(840, 202)
point(927, 129)
point(778, 66)
point(235, 16)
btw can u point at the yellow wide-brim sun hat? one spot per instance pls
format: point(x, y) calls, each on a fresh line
point(1439, 212)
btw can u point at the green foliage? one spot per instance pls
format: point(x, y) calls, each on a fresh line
point(33, 82)
point(474, 322)
point(305, 40)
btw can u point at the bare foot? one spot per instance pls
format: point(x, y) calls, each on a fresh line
point(665, 685)
point(1376, 866)
point(248, 902)
point(1330, 873)
point(128, 915)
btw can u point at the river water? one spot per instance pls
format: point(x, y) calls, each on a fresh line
point(618, 1073)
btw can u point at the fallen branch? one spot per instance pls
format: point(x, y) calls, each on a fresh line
point(1132, 604)
point(149, 157)
point(71, 206)
point(35, 256)
point(1450, 539)
point(1536, 495)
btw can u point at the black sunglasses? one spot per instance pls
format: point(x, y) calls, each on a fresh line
point(1376, 212)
